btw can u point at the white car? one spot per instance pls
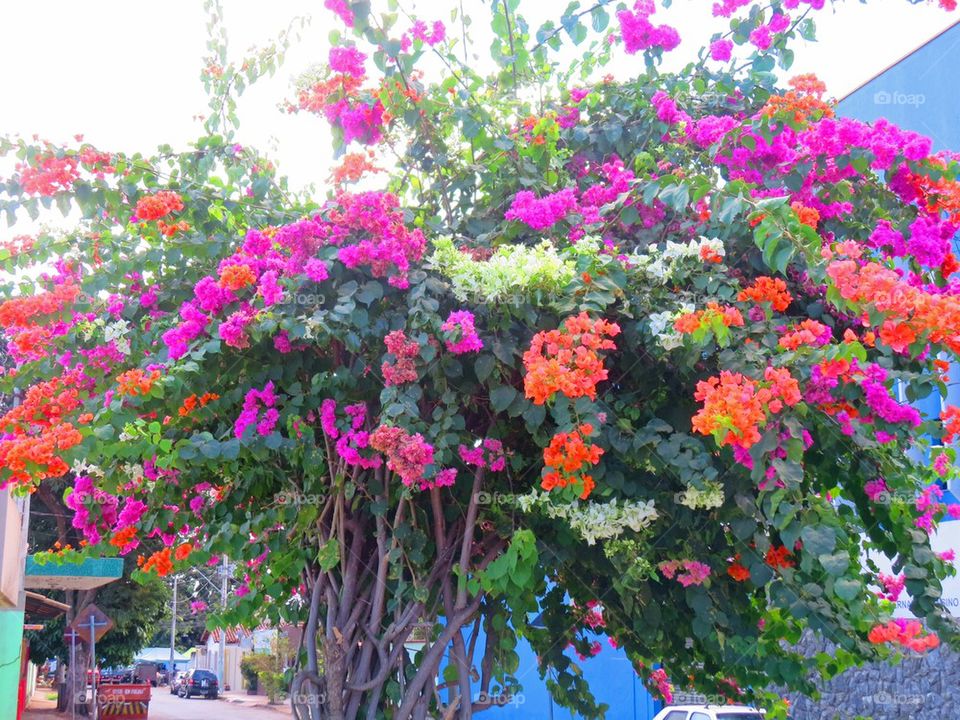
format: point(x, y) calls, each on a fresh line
point(709, 712)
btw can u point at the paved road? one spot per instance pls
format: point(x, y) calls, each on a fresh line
point(164, 706)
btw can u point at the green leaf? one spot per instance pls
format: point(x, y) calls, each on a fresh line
point(329, 555)
point(846, 589)
point(501, 397)
point(836, 564)
point(483, 366)
point(818, 539)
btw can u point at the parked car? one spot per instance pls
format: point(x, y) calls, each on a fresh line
point(116, 675)
point(177, 682)
point(199, 682)
point(709, 712)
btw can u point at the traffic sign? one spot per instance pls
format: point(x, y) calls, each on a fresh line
point(91, 618)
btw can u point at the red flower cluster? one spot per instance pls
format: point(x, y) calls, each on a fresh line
point(734, 406)
point(22, 311)
point(404, 369)
point(907, 633)
point(158, 205)
point(767, 289)
point(566, 458)
point(808, 332)
point(737, 571)
point(566, 360)
point(236, 277)
point(48, 175)
point(778, 558)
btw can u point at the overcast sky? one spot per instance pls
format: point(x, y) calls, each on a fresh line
point(125, 73)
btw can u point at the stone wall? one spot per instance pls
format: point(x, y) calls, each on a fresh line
point(923, 687)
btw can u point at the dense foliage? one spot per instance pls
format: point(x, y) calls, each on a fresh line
point(633, 355)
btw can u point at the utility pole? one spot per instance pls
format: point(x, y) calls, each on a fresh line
point(221, 664)
point(173, 631)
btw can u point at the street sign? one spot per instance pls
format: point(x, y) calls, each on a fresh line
point(91, 618)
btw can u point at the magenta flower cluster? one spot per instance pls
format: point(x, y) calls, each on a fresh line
point(350, 436)
point(486, 454)
point(367, 228)
point(250, 415)
point(347, 60)
point(431, 35)
point(638, 33)
point(460, 334)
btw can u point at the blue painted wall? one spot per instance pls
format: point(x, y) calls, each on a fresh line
point(919, 93)
point(611, 678)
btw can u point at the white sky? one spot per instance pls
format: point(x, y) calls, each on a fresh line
point(125, 73)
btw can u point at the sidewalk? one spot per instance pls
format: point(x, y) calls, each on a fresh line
point(39, 708)
point(255, 701)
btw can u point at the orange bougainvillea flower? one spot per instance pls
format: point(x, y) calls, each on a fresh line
point(897, 336)
point(807, 215)
point(735, 406)
point(193, 402)
point(124, 538)
point(158, 205)
point(183, 551)
point(136, 382)
point(907, 633)
point(567, 360)
point(951, 423)
point(237, 277)
point(566, 457)
point(802, 104)
point(169, 230)
point(713, 317)
point(353, 167)
point(159, 562)
point(767, 289)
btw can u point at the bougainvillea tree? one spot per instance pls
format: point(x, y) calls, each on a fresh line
point(634, 356)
